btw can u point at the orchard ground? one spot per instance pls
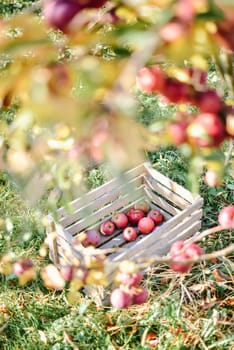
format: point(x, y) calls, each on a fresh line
point(192, 311)
point(182, 312)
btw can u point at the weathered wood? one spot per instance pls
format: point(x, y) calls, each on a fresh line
point(103, 212)
point(173, 186)
point(99, 191)
point(163, 204)
point(90, 207)
point(166, 193)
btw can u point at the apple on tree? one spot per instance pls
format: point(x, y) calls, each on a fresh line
point(226, 217)
point(180, 254)
point(151, 79)
point(59, 13)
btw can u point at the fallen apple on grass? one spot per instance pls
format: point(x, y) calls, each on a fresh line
point(120, 299)
point(140, 295)
point(22, 265)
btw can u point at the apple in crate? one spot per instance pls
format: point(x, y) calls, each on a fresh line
point(129, 234)
point(92, 237)
point(156, 216)
point(146, 225)
point(107, 228)
point(120, 220)
point(134, 215)
point(143, 205)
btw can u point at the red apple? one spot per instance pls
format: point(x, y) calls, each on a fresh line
point(185, 10)
point(156, 216)
point(173, 31)
point(93, 237)
point(107, 228)
point(213, 178)
point(120, 299)
point(134, 215)
point(181, 251)
point(67, 272)
point(59, 13)
point(143, 205)
point(207, 130)
point(193, 250)
point(178, 132)
point(140, 295)
point(90, 3)
point(22, 265)
point(176, 248)
point(129, 280)
point(177, 92)
point(209, 101)
point(146, 225)
point(226, 217)
point(120, 220)
point(198, 76)
point(129, 234)
point(151, 79)
point(179, 264)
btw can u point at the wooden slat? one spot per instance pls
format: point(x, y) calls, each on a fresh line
point(176, 220)
point(90, 207)
point(103, 212)
point(173, 186)
point(166, 193)
point(161, 202)
point(99, 191)
point(61, 232)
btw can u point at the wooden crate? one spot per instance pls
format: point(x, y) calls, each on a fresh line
point(182, 212)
